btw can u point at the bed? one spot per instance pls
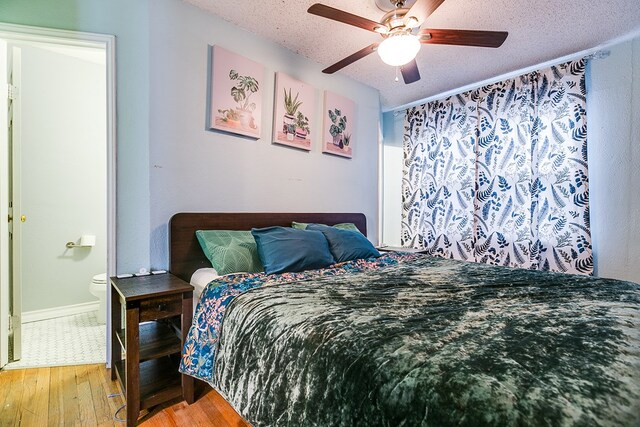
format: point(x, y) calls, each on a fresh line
point(410, 340)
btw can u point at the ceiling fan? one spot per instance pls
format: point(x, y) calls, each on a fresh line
point(402, 36)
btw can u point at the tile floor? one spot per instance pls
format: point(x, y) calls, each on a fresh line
point(69, 340)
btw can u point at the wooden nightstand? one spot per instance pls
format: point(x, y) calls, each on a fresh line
point(158, 316)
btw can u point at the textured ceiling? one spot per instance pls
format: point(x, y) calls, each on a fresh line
point(539, 31)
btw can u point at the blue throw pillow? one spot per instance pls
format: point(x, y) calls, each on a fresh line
point(283, 249)
point(346, 245)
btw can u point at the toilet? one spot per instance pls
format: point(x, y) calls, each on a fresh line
point(98, 288)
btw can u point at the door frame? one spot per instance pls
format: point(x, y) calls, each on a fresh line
point(24, 33)
point(15, 275)
point(4, 208)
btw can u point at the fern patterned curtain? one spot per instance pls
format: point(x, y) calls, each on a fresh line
point(499, 174)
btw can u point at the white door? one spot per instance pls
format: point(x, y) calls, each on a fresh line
point(4, 207)
point(59, 178)
point(10, 301)
point(15, 290)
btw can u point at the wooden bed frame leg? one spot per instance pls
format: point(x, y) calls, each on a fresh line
point(188, 393)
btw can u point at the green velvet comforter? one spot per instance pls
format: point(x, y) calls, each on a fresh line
point(433, 342)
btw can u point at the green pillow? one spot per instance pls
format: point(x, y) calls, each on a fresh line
point(344, 226)
point(230, 251)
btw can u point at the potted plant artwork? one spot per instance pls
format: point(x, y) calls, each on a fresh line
point(339, 124)
point(241, 93)
point(346, 139)
point(230, 116)
point(235, 99)
point(293, 112)
point(302, 126)
point(291, 106)
point(338, 134)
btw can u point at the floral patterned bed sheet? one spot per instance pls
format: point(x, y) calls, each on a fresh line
point(200, 347)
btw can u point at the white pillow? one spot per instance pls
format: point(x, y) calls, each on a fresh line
point(203, 276)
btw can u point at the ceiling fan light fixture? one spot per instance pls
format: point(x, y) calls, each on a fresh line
point(399, 49)
point(412, 22)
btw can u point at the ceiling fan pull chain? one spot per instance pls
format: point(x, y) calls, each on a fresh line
point(397, 68)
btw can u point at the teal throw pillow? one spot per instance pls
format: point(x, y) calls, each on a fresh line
point(284, 249)
point(346, 245)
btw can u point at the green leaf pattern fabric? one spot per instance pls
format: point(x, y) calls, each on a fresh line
point(230, 251)
point(499, 175)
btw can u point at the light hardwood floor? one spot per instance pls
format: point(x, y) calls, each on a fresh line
point(78, 395)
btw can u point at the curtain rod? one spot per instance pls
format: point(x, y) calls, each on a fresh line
point(599, 52)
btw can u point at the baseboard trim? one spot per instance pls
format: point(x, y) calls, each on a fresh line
point(67, 310)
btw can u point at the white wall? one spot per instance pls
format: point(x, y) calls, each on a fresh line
point(392, 161)
point(193, 169)
point(129, 22)
point(167, 161)
point(63, 176)
point(613, 113)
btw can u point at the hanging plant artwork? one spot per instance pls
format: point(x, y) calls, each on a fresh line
point(294, 110)
point(236, 95)
point(339, 115)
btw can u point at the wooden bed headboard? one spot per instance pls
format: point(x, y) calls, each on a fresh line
point(185, 253)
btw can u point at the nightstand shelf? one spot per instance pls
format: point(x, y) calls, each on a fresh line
point(159, 381)
point(158, 312)
point(157, 339)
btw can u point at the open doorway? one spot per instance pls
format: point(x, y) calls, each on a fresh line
point(59, 197)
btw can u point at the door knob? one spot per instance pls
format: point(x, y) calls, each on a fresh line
point(23, 218)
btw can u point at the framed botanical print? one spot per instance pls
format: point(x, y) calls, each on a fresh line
point(236, 93)
point(338, 125)
point(293, 112)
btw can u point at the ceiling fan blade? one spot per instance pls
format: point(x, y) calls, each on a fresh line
point(463, 37)
point(342, 16)
point(351, 59)
point(423, 8)
point(410, 72)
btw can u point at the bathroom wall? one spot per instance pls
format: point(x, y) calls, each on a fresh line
point(63, 174)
